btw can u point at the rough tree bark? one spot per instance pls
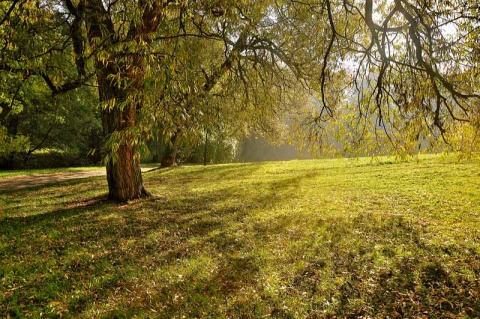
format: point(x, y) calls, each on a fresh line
point(120, 78)
point(124, 175)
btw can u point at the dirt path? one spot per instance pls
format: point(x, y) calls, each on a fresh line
point(20, 182)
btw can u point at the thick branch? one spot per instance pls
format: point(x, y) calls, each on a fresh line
point(59, 89)
point(419, 54)
point(9, 11)
point(326, 58)
point(54, 88)
point(76, 35)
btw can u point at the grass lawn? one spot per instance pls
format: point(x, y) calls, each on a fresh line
point(299, 239)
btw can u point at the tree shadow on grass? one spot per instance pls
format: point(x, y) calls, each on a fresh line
point(383, 267)
point(203, 254)
point(66, 260)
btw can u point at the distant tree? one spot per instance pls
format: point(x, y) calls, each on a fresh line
point(33, 63)
point(34, 120)
point(231, 79)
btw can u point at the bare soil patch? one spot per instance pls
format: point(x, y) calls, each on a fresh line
point(20, 182)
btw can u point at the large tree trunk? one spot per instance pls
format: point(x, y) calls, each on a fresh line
point(124, 175)
point(120, 75)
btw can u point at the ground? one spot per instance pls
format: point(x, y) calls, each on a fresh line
point(301, 239)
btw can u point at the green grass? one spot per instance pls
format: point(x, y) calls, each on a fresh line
point(299, 239)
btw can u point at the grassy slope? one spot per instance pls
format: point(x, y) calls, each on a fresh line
point(299, 239)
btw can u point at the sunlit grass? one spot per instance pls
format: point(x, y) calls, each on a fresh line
point(299, 239)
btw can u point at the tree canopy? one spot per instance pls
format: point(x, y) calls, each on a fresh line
point(413, 67)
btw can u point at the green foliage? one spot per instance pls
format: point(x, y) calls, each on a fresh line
point(37, 60)
point(298, 239)
point(220, 149)
point(9, 144)
point(69, 123)
point(388, 80)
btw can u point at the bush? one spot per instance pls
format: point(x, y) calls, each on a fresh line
point(53, 159)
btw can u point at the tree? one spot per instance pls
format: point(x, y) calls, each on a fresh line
point(117, 45)
point(98, 40)
point(124, 47)
point(35, 120)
